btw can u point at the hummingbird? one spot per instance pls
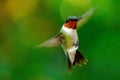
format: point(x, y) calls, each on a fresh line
point(68, 39)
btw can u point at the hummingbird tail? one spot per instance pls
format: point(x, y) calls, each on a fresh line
point(69, 64)
point(80, 59)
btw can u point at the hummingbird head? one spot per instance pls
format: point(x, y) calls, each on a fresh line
point(71, 22)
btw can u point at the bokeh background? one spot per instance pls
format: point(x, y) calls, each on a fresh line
point(27, 23)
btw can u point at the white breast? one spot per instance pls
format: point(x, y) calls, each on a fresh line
point(68, 30)
point(72, 35)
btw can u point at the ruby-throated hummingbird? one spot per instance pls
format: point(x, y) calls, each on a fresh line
point(68, 39)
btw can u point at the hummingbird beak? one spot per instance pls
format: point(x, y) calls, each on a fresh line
point(79, 18)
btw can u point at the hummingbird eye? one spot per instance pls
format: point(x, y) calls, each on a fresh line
point(67, 20)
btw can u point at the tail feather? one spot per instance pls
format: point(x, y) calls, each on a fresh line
point(80, 58)
point(69, 64)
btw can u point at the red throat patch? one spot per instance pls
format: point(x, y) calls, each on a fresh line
point(71, 24)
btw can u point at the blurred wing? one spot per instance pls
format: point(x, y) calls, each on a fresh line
point(53, 42)
point(85, 17)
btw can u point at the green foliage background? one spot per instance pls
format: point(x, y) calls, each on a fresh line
point(27, 23)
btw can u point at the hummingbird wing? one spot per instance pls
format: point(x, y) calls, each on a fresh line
point(85, 17)
point(53, 42)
